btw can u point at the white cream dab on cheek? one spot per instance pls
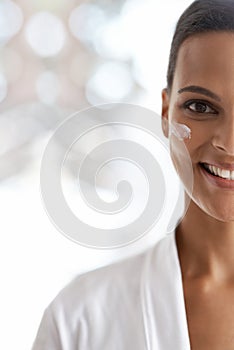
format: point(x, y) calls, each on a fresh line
point(181, 131)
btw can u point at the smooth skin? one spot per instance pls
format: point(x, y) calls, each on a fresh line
point(205, 236)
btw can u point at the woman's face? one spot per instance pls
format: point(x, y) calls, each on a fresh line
point(202, 97)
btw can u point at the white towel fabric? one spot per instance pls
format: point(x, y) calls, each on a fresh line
point(134, 304)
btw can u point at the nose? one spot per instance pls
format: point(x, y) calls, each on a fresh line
point(223, 139)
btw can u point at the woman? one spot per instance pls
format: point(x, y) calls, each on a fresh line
point(179, 294)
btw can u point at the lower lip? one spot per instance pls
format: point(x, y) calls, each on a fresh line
point(218, 181)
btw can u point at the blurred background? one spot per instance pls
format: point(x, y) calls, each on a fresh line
point(58, 57)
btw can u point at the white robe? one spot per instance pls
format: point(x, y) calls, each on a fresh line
point(136, 304)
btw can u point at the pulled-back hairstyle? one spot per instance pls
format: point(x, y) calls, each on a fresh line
point(201, 16)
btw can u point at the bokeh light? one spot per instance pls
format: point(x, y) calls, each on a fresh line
point(112, 41)
point(45, 33)
point(86, 21)
point(11, 19)
point(112, 81)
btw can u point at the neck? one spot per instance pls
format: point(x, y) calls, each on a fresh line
point(205, 245)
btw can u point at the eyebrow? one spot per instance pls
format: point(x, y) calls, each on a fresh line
point(200, 90)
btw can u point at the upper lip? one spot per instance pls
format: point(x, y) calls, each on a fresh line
point(221, 165)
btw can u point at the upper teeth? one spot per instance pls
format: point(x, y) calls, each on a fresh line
point(225, 174)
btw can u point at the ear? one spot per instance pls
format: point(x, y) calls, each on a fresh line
point(165, 108)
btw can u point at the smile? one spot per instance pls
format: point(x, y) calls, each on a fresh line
point(219, 172)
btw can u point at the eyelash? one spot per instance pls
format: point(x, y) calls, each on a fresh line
point(187, 104)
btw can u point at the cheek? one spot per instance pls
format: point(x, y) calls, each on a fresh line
point(199, 144)
point(201, 134)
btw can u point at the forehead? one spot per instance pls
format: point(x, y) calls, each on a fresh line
point(207, 60)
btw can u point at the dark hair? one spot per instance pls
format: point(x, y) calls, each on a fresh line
point(201, 16)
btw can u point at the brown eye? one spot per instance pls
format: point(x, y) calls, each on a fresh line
point(199, 107)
